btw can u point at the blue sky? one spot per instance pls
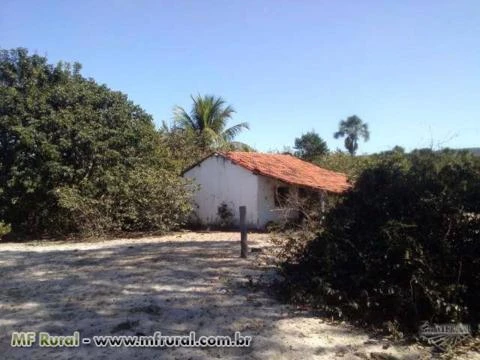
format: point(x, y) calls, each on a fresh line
point(410, 69)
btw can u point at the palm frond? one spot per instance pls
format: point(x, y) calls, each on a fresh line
point(217, 116)
point(208, 116)
point(165, 128)
point(231, 132)
point(364, 132)
point(352, 129)
point(338, 134)
point(182, 119)
point(227, 112)
point(197, 114)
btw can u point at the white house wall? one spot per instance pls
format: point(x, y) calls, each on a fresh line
point(267, 212)
point(222, 181)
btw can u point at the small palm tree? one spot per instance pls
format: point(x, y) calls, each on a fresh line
point(352, 129)
point(208, 119)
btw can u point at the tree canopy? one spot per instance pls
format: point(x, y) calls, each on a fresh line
point(353, 129)
point(310, 146)
point(208, 120)
point(73, 152)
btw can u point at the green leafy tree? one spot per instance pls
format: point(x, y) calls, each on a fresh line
point(416, 218)
point(208, 120)
point(310, 146)
point(353, 166)
point(352, 130)
point(72, 151)
point(184, 147)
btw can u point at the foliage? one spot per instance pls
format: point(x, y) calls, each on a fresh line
point(238, 146)
point(353, 166)
point(4, 228)
point(345, 163)
point(74, 153)
point(184, 147)
point(225, 215)
point(208, 121)
point(148, 199)
point(352, 129)
point(310, 146)
point(402, 246)
point(293, 235)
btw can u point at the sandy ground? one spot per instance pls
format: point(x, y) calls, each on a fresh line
point(173, 284)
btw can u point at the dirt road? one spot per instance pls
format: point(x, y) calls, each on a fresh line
point(173, 284)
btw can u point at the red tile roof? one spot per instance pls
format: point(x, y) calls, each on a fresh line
point(290, 169)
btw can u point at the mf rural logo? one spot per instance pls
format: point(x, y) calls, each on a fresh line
point(444, 336)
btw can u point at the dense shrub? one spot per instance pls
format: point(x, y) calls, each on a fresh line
point(224, 216)
point(148, 200)
point(4, 228)
point(185, 147)
point(354, 165)
point(402, 246)
point(76, 156)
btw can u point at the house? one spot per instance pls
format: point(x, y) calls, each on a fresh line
point(261, 182)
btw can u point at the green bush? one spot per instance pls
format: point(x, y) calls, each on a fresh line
point(4, 228)
point(354, 165)
point(402, 246)
point(79, 157)
point(148, 200)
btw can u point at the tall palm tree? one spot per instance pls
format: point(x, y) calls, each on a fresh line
point(352, 129)
point(208, 119)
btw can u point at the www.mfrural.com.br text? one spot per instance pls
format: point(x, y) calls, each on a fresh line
point(45, 339)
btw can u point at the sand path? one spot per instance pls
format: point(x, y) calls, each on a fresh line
point(173, 284)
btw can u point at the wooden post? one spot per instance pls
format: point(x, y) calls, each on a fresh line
point(243, 232)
